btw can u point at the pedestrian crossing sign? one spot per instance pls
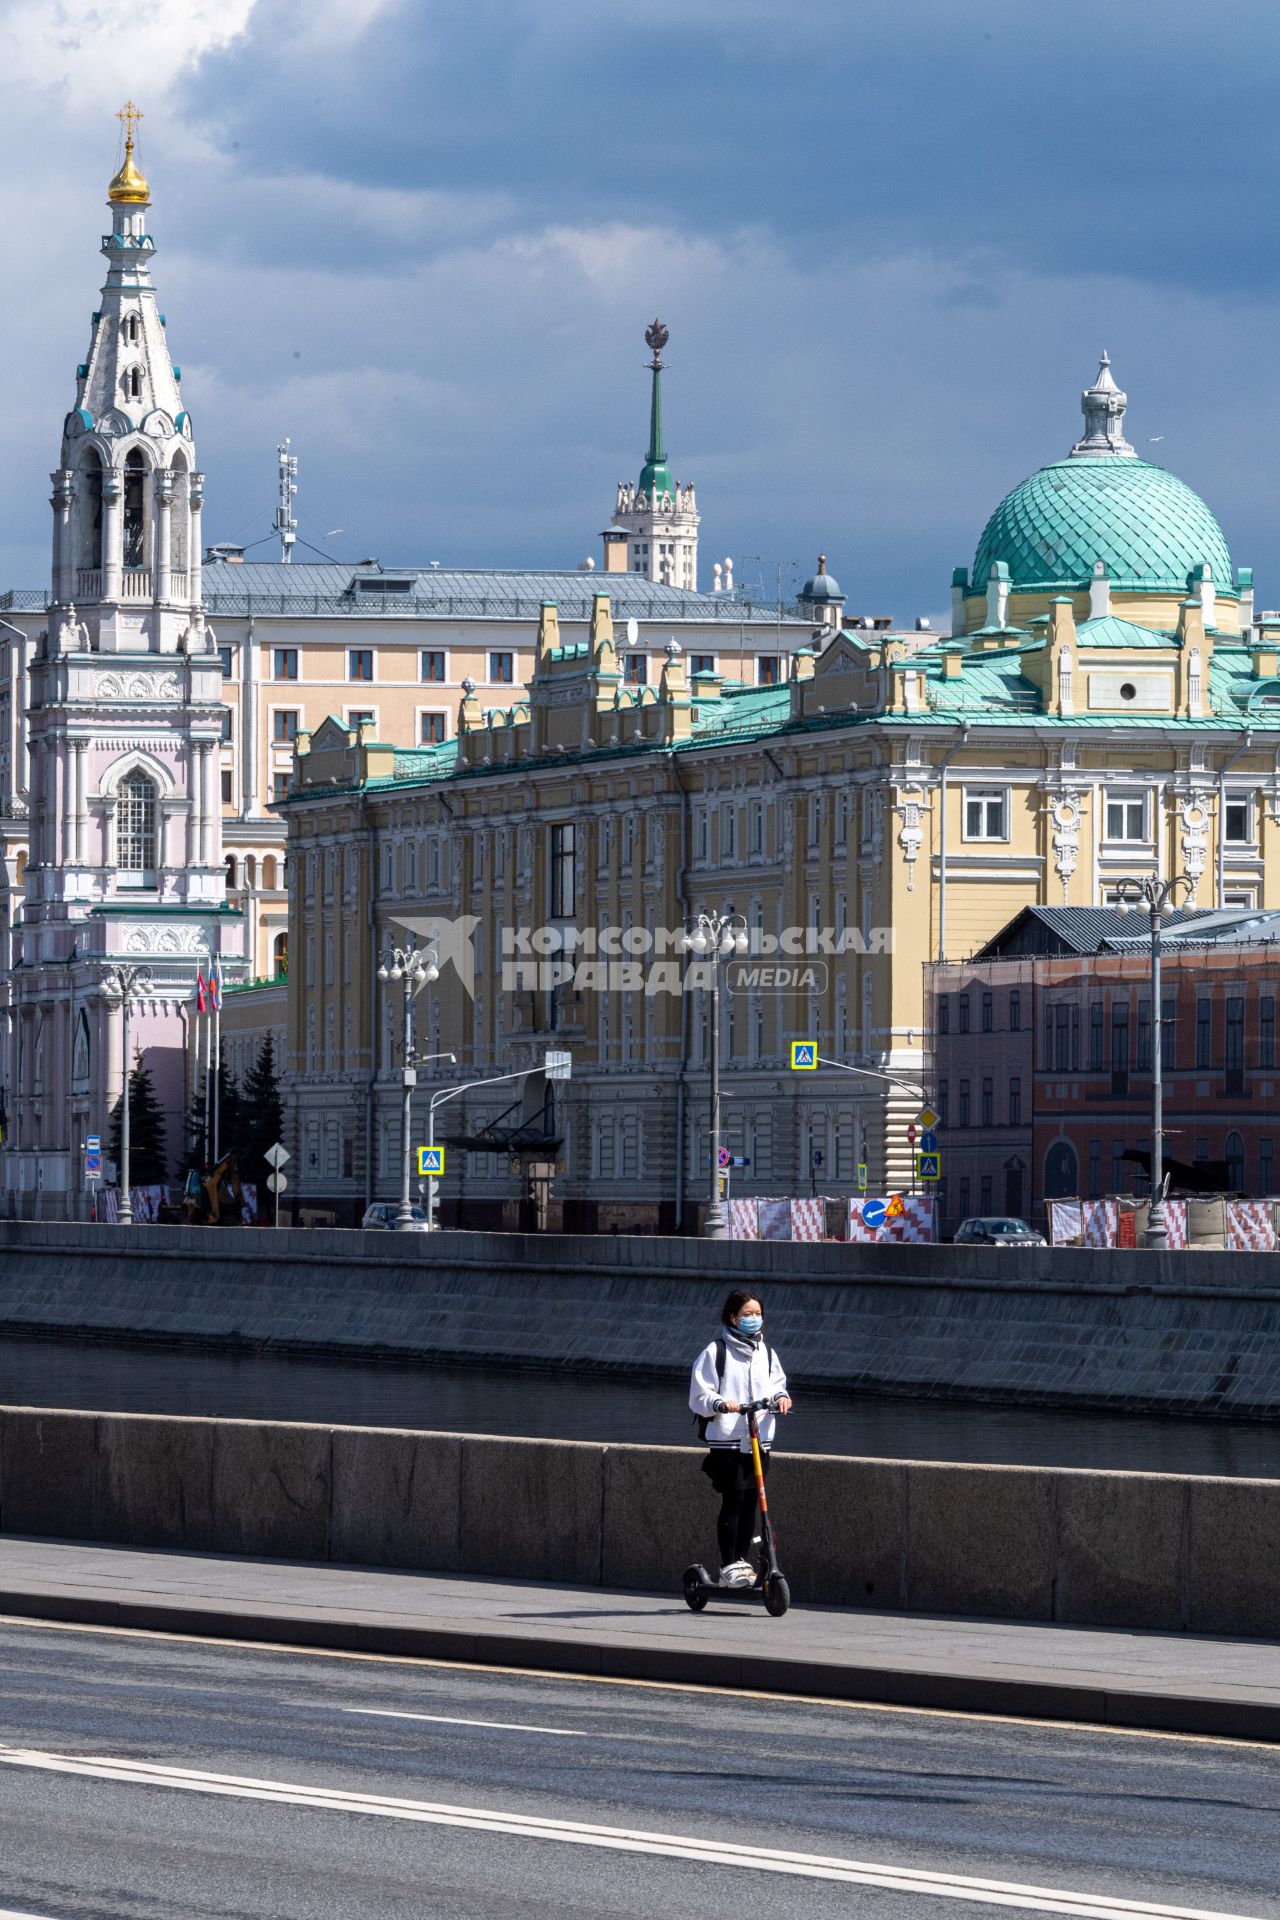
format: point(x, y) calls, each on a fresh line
point(928, 1166)
point(804, 1055)
point(430, 1162)
point(895, 1208)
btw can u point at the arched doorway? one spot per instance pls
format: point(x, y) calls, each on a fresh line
point(1061, 1172)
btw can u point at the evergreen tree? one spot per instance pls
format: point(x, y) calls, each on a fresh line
point(263, 1116)
point(148, 1158)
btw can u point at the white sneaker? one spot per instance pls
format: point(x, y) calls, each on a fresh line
point(739, 1573)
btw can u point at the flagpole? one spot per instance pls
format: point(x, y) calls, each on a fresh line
point(208, 1055)
point(217, 1064)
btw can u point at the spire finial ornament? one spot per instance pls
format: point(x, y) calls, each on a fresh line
point(1103, 406)
point(129, 188)
point(655, 475)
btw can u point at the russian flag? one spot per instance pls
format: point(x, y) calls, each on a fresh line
point(215, 986)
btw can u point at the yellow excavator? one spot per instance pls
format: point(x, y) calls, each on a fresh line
point(215, 1198)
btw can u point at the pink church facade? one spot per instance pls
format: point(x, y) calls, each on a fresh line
point(121, 740)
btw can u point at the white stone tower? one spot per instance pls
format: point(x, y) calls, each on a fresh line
point(659, 517)
point(124, 726)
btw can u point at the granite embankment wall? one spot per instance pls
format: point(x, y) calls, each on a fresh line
point(1194, 1332)
point(1124, 1550)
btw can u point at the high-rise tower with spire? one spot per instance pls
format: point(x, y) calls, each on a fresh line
point(124, 726)
point(658, 517)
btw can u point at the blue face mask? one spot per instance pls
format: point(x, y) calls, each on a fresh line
point(750, 1323)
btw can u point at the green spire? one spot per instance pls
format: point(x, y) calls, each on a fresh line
point(655, 475)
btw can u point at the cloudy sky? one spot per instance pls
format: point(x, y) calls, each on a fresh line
point(423, 238)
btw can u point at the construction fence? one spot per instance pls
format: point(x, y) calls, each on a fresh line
point(1238, 1226)
point(895, 1219)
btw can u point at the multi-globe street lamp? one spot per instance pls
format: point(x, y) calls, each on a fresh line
point(716, 937)
point(125, 986)
point(417, 967)
point(1157, 898)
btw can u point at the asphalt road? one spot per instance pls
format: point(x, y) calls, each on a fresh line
point(170, 1780)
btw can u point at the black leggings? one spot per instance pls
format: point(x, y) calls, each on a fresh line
point(733, 1476)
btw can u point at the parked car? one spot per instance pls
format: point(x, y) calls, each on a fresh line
point(383, 1214)
point(997, 1230)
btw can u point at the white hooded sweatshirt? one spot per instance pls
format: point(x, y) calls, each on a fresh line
point(751, 1372)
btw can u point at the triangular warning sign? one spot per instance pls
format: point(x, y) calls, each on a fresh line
point(895, 1208)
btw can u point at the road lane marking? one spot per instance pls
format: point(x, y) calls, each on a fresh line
point(497, 1726)
point(671, 1846)
point(32, 1623)
point(9, 1913)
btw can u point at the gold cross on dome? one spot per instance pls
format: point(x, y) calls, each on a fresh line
point(129, 114)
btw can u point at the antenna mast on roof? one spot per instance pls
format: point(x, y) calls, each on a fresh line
point(286, 524)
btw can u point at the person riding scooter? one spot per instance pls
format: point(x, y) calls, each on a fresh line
point(737, 1367)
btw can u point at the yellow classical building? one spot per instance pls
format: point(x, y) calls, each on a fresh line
point(1107, 705)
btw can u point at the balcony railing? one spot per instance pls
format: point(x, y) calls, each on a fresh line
point(135, 583)
point(89, 583)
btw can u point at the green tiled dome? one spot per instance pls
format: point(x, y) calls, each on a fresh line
point(1147, 525)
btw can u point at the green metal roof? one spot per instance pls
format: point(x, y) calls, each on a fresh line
point(1109, 631)
point(1146, 524)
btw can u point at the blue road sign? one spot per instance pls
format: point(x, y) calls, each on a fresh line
point(93, 1166)
point(430, 1162)
point(873, 1212)
point(726, 1158)
point(928, 1166)
point(804, 1055)
point(740, 1160)
point(929, 1141)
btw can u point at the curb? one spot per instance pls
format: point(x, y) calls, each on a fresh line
point(760, 1673)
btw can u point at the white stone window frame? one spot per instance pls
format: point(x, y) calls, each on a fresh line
point(279, 743)
point(1246, 842)
point(984, 797)
point(131, 381)
point(501, 653)
point(369, 713)
point(287, 679)
point(769, 662)
point(1126, 797)
point(446, 678)
point(430, 713)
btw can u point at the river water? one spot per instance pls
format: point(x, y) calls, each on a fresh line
point(568, 1406)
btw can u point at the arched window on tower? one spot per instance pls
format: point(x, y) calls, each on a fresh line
point(136, 830)
point(135, 510)
point(90, 510)
point(230, 864)
point(132, 329)
point(133, 383)
point(280, 956)
point(179, 520)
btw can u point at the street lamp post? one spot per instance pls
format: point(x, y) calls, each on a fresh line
point(717, 937)
point(417, 967)
point(125, 986)
point(1156, 898)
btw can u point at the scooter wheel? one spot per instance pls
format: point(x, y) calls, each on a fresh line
point(694, 1597)
point(777, 1595)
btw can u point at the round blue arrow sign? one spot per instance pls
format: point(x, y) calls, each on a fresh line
point(873, 1213)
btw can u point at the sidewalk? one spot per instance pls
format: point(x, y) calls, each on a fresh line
point(1165, 1681)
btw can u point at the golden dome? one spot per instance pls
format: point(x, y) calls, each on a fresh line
point(129, 188)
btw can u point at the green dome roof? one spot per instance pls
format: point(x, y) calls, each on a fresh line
point(1147, 525)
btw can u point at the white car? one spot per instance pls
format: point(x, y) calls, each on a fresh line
point(383, 1214)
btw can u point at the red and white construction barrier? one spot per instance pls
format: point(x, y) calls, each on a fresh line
point(1101, 1223)
point(1250, 1227)
point(903, 1219)
point(743, 1224)
point(808, 1219)
point(1175, 1220)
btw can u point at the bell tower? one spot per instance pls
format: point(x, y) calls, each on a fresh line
point(124, 727)
point(658, 516)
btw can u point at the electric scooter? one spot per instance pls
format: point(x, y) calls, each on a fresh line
point(699, 1587)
